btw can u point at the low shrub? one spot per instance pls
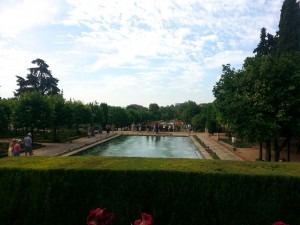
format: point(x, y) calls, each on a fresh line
point(238, 143)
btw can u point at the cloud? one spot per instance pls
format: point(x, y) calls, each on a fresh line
point(153, 48)
point(23, 15)
point(226, 57)
point(12, 63)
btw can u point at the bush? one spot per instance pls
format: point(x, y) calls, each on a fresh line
point(238, 143)
point(62, 190)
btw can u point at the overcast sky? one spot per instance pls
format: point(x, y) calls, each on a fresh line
point(123, 52)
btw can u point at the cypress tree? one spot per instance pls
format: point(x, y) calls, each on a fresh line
point(289, 27)
point(267, 44)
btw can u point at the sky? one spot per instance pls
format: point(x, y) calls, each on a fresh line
point(123, 52)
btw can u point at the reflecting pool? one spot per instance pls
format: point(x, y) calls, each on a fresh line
point(146, 146)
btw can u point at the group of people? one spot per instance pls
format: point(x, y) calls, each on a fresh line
point(91, 131)
point(107, 129)
point(14, 147)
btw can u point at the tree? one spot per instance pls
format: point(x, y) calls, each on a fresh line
point(104, 112)
point(133, 115)
point(188, 110)
point(61, 113)
point(6, 108)
point(118, 117)
point(154, 110)
point(289, 27)
point(82, 114)
point(39, 79)
point(286, 102)
point(261, 101)
point(168, 112)
point(267, 44)
point(205, 119)
point(97, 117)
point(69, 114)
point(32, 111)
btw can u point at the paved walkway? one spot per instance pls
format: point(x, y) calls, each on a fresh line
point(222, 152)
point(57, 149)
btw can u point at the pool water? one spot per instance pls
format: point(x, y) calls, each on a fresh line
point(146, 146)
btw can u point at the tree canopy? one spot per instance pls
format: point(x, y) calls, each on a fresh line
point(39, 79)
point(261, 102)
point(289, 27)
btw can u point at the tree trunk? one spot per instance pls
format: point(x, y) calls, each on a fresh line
point(55, 134)
point(260, 151)
point(77, 129)
point(276, 151)
point(289, 151)
point(32, 135)
point(268, 151)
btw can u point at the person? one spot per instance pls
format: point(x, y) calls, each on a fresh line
point(107, 128)
point(17, 148)
point(156, 128)
point(89, 131)
point(28, 144)
point(11, 147)
point(100, 132)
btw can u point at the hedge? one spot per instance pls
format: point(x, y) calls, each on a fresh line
point(62, 190)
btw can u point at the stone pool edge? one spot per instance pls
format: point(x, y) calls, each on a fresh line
point(72, 152)
point(202, 151)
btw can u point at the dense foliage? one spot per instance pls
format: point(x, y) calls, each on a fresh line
point(289, 27)
point(62, 190)
point(33, 111)
point(261, 102)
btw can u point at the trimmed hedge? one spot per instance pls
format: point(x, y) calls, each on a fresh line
point(62, 190)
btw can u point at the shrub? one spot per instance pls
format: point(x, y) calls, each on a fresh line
point(62, 190)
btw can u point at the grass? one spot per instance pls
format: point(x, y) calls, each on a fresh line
point(151, 164)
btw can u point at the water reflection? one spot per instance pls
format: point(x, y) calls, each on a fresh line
point(155, 146)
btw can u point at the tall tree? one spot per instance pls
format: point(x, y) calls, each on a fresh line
point(289, 27)
point(267, 44)
point(39, 79)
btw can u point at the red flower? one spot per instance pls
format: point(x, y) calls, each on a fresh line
point(146, 220)
point(100, 217)
point(280, 223)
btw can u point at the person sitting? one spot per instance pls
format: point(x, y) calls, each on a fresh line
point(17, 148)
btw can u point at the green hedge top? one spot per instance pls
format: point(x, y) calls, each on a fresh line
point(62, 190)
point(152, 164)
